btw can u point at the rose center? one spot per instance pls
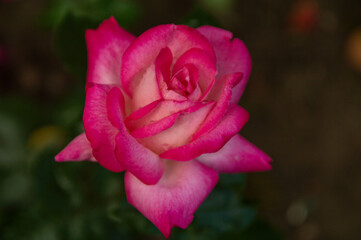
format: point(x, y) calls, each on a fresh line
point(183, 81)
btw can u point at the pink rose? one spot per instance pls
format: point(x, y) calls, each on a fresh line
point(163, 108)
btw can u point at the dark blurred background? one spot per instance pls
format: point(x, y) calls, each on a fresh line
point(304, 99)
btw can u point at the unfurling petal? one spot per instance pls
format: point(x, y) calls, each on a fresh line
point(174, 199)
point(106, 46)
point(221, 93)
point(232, 123)
point(206, 67)
point(238, 155)
point(78, 149)
point(155, 112)
point(156, 127)
point(182, 130)
point(232, 56)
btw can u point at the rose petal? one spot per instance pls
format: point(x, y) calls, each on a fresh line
point(178, 82)
point(141, 54)
point(172, 95)
point(163, 63)
point(222, 94)
point(141, 112)
point(78, 149)
point(214, 140)
point(238, 155)
point(155, 112)
point(98, 129)
point(140, 161)
point(196, 94)
point(116, 107)
point(232, 56)
point(174, 199)
point(155, 128)
point(160, 118)
point(182, 130)
point(106, 46)
point(147, 90)
point(206, 68)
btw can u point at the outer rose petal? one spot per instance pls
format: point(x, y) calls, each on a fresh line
point(106, 46)
point(175, 198)
point(98, 129)
point(78, 149)
point(238, 155)
point(137, 159)
point(214, 140)
point(232, 56)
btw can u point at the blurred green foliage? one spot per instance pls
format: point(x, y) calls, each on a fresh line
point(71, 18)
point(44, 200)
point(197, 17)
point(125, 11)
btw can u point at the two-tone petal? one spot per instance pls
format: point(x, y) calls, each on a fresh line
point(238, 155)
point(214, 140)
point(174, 199)
point(232, 56)
point(106, 46)
point(98, 129)
point(78, 149)
point(135, 158)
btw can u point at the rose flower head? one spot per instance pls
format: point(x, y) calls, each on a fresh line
point(163, 108)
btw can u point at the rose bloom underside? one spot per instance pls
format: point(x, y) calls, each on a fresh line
point(163, 108)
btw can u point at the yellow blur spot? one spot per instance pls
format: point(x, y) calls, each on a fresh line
point(45, 136)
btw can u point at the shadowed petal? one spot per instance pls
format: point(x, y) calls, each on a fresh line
point(238, 155)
